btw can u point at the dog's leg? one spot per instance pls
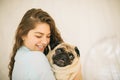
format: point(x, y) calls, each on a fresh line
point(78, 75)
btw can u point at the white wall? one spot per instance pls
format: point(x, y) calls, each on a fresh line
point(81, 22)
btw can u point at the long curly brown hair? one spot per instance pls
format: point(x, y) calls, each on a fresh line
point(32, 17)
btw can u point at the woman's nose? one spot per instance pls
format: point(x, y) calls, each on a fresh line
point(44, 40)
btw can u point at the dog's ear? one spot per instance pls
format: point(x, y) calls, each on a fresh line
point(54, 45)
point(51, 47)
point(77, 51)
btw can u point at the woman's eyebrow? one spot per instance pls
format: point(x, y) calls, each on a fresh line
point(39, 33)
point(42, 33)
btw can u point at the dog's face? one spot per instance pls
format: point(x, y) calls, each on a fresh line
point(63, 55)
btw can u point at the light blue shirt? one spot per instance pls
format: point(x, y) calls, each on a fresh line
point(31, 65)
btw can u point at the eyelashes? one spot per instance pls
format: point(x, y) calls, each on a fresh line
point(41, 36)
point(38, 36)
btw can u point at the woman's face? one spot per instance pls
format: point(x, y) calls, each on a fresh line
point(38, 38)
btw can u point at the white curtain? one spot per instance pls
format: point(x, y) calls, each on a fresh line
point(103, 60)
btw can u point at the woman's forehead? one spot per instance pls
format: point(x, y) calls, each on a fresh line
point(42, 28)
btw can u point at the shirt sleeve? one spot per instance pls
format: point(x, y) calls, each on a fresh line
point(32, 66)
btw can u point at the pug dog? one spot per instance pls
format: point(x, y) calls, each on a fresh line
point(65, 62)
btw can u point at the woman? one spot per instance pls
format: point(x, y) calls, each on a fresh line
point(34, 34)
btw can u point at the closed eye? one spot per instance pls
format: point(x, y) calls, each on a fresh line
point(48, 36)
point(38, 36)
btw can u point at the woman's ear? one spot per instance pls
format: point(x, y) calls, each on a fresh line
point(23, 38)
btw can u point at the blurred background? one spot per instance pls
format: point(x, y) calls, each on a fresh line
point(83, 23)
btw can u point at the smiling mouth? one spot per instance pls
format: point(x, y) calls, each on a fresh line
point(41, 48)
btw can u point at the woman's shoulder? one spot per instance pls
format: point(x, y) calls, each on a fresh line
point(24, 54)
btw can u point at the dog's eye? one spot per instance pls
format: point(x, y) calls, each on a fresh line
point(59, 50)
point(71, 56)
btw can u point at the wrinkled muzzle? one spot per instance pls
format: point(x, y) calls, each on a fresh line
point(62, 58)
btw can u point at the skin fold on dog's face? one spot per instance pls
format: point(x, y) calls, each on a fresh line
point(64, 54)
